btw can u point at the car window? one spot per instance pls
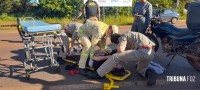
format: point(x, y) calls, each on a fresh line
point(167, 11)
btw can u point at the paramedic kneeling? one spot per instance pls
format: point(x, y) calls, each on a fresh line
point(132, 46)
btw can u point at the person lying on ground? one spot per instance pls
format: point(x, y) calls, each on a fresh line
point(98, 60)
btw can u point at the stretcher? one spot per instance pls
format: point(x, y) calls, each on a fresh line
point(110, 76)
point(38, 35)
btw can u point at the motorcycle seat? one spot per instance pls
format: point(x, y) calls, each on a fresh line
point(179, 32)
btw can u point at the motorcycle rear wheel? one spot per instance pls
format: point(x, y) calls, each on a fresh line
point(193, 55)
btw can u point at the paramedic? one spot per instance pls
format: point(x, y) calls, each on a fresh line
point(132, 46)
point(70, 30)
point(91, 34)
point(91, 9)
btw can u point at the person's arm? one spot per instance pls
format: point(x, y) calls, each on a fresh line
point(120, 49)
point(100, 58)
point(149, 14)
point(74, 37)
point(82, 11)
point(122, 44)
point(99, 13)
point(133, 12)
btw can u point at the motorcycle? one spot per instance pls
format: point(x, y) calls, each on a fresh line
point(177, 41)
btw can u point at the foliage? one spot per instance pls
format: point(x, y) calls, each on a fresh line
point(69, 8)
point(6, 6)
point(5, 17)
point(161, 4)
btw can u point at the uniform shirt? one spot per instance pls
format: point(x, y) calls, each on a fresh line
point(96, 31)
point(134, 40)
point(142, 9)
point(72, 30)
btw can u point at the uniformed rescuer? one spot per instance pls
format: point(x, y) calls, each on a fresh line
point(91, 9)
point(70, 30)
point(91, 34)
point(132, 46)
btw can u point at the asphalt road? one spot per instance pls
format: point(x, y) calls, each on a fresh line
point(12, 75)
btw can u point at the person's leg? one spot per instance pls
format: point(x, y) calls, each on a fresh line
point(134, 27)
point(142, 66)
point(142, 27)
point(112, 61)
point(85, 51)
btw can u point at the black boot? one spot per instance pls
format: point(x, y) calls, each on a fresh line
point(60, 60)
point(151, 77)
point(71, 67)
point(118, 72)
point(83, 72)
point(94, 75)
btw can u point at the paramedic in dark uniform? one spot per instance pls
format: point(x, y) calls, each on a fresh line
point(132, 46)
point(142, 13)
point(91, 9)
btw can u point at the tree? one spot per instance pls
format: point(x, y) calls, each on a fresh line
point(6, 6)
point(162, 4)
point(54, 8)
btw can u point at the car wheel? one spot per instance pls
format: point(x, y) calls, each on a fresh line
point(174, 20)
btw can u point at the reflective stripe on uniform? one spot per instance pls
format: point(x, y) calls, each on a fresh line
point(91, 53)
point(105, 48)
point(81, 32)
point(104, 27)
point(84, 54)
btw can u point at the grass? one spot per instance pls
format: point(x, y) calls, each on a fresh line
point(183, 17)
point(8, 28)
point(117, 20)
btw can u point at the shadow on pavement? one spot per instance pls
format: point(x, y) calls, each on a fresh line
point(11, 41)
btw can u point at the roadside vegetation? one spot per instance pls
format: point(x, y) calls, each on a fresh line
point(63, 11)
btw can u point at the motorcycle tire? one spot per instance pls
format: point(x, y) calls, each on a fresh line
point(193, 55)
point(153, 38)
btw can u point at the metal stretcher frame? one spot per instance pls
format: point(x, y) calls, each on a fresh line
point(45, 44)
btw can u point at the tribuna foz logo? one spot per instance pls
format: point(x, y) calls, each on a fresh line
point(180, 78)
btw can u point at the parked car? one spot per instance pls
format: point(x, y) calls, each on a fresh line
point(167, 14)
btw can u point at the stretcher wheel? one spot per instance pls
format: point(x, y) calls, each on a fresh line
point(58, 69)
point(27, 75)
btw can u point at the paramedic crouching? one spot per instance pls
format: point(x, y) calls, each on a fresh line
point(92, 34)
point(132, 46)
point(70, 30)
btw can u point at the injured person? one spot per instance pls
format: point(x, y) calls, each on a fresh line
point(97, 61)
